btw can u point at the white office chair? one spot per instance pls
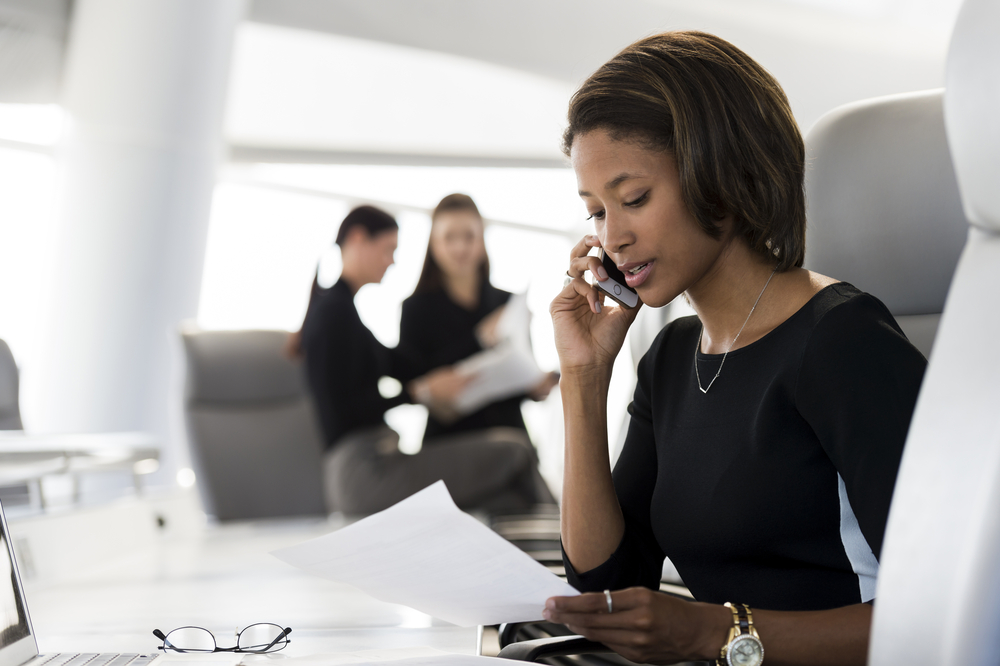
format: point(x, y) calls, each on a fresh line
point(883, 207)
point(938, 599)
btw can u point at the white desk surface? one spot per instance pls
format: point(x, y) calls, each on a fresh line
point(19, 440)
point(222, 577)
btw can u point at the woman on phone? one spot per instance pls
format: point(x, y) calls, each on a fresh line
point(766, 431)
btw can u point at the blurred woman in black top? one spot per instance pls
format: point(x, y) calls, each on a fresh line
point(454, 309)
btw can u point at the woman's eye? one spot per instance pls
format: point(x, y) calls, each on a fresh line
point(638, 201)
point(599, 215)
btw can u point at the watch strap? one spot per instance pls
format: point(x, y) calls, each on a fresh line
point(742, 624)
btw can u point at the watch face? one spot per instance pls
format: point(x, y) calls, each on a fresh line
point(745, 650)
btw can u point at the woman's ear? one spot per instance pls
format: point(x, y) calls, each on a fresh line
point(357, 234)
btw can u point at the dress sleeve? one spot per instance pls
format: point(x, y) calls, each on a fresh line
point(340, 357)
point(404, 361)
point(638, 560)
point(416, 339)
point(857, 387)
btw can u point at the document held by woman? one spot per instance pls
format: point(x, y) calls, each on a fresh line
point(427, 554)
point(505, 369)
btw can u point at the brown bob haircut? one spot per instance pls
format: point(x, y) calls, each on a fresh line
point(431, 276)
point(727, 123)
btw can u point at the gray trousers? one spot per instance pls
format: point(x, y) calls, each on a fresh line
point(493, 470)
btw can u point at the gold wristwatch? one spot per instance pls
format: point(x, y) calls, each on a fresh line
point(743, 647)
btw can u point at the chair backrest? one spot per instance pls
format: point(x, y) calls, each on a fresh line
point(939, 584)
point(251, 425)
point(10, 411)
point(884, 211)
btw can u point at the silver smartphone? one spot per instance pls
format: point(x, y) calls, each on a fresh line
point(615, 286)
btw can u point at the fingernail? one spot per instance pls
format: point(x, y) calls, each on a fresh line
point(547, 614)
point(597, 307)
point(592, 238)
point(601, 273)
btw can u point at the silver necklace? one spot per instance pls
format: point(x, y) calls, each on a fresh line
point(731, 344)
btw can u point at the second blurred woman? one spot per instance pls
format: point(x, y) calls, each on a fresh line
point(454, 309)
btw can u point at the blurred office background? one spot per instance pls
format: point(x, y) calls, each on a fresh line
point(172, 160)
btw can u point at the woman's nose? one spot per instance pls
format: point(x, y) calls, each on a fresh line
point(616, 235)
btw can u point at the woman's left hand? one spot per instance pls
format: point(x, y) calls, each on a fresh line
point(645, 626)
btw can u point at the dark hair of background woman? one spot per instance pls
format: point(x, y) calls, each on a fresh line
point(373, 220)
point(726, 122)
point(431, 277)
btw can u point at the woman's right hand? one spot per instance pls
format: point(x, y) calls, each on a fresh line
point(588, 335)
point(438, 390)
point(440, 386)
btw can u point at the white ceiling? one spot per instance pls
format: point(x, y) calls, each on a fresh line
point(824, 52)
point(567, 39)
point(466, 80)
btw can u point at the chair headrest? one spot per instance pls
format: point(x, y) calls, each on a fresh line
point(240, 366)
point(883, 208)
point(972, 110)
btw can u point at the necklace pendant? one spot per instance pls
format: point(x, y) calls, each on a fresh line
point(697, 348)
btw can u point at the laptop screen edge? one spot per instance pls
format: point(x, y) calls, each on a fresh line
point(26, 648)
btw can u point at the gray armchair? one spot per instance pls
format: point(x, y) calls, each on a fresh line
point(251, 425)
point(10, 412)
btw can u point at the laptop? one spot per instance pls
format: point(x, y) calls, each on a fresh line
point(17, 639)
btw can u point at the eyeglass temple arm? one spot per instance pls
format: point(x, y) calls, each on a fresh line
point(165, 646)
point(284, 632)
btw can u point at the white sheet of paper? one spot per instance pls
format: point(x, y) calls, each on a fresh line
point(506, 370)
point(427, 554)
point(498, 373)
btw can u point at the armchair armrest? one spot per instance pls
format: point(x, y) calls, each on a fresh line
point(559, 646)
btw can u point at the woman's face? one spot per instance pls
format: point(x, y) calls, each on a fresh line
point(457, 243)
point(379, 254)
point(633, 195)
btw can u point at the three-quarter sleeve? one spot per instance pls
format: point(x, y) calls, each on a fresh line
point(638, 560)
point(416, 338)
point(857, 388)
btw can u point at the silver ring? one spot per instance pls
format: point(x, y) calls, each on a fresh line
point(607, 597)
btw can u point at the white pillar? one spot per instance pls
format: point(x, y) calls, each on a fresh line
point(145, 88)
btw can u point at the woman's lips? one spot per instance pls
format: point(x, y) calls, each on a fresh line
point(635, 279)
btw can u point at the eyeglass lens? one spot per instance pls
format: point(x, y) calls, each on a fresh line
point(263, 637)
point(190, 639)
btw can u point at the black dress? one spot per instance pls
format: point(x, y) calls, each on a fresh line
point(344, 362)
point(436, 331)
point(772, 489)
